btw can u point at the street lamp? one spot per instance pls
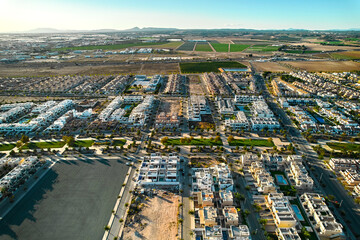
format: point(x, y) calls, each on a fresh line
point(321, 177)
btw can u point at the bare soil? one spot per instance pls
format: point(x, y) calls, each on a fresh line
point(270, 66)
point(196, 86)
point(156, 221)
point(326, 66)
point(170, 106)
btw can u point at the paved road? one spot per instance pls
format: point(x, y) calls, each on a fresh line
point(351, 218)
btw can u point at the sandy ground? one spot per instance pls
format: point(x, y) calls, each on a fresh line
point(160, 68)
point(270, 66)
point(195, 85)
point(351, 53)
point(170, 106)
point(148, 69)
point(319, 47)
point(331, 66)
point(156, 221)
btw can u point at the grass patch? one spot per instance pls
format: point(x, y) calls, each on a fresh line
point(252, 142)
point(238, 47)
point(345, 146)
point(263, 48)
point(43, 145)
point(110, 47)
point(83, 143)
point(220, 47)
point(339, 56)
point(118, 142)
point(202, 67)
point(203, 47)
point(7, 147)
point(195, 142)
point(170, 45)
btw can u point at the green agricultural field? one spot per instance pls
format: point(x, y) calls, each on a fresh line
point(252, 142)
point(187, 46)
point(263, 48)
point(195, 142)
point(220, 47)
point(7, 147)
point(118, 142)
point(201, 67)
point(170, 45)
point(344, 146)
point(110, 47)
point(43, 145)
point(339, 56)
point(238, 47)
point(205, 47)
point(83, 143)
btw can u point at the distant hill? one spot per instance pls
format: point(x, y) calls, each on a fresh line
point(44, 30)
point(156, 29)
point(149, 29)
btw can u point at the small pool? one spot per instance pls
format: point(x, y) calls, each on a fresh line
point(127, 107)
point(235, 69)
point(297, 212)
point(239, 107)
point(281, 180)
point(24, 120)
point(319, 119)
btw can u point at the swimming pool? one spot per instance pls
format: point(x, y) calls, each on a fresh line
point(235, 69)
point(281, 180)
point(240, 107)
point(24, 120)
point(127, 107)
point(297, 212)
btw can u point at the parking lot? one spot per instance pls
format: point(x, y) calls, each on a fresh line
point(72, 201)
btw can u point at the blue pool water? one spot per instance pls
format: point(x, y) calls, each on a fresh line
point(235, 69)
point(297, 212)
point(241, 108)
point(23, 120)
point(127, 107)
point(320, 120)
point(281, 180)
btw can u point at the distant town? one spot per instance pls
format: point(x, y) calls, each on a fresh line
point(180, 134)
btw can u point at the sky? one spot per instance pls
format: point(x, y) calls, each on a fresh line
point(24, 15)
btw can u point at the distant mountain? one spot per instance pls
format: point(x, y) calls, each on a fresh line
point(44, 30)
point(149, 29)
point(155, 29)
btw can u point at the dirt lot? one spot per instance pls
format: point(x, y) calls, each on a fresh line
point(319, 47)
point(328, 66)
point(58, 69)
point(156, 221)
point(170, 106)
point(270, 66)
point(196, 86)
point(159, 68)
point(6, 71)
point(203, 161)
point(15, 99)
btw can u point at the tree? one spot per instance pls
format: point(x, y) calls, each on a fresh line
point(69, 140)
point(19, 144)
point(217, 139)
point(231, 138)
point(24, 139)
point(164, 140)
point(263, 221)
point(305, 233)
